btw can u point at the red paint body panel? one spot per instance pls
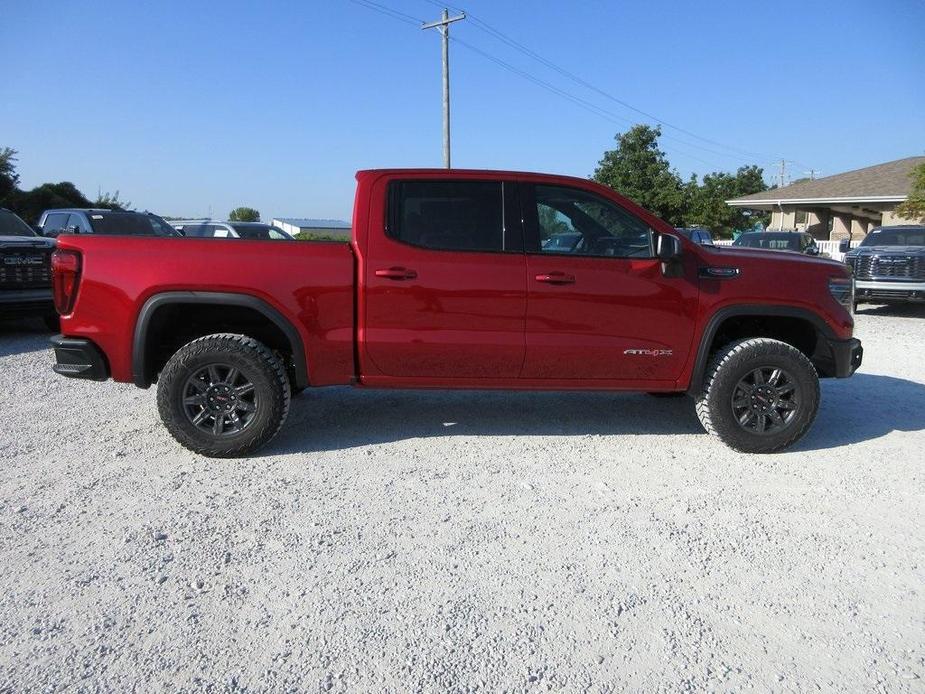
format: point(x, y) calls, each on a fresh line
point(310, 283)
point(453, 319)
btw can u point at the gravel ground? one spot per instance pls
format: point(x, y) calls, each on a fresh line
point(431, 541)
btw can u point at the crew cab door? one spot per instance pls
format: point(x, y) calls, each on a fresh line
point(444, 281)
point(599, 305)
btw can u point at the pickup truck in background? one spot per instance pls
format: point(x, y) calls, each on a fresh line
point(889, 265)
point(25, 271)
point(449, 282)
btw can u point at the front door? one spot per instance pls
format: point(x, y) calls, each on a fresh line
point(598, 303)
point(445, 289)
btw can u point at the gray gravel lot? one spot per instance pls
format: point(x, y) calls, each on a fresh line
point(430, 541)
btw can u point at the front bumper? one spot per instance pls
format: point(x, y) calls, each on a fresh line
point(26, 301)
point(76, 357)
point(888, 290)
point(846, 356)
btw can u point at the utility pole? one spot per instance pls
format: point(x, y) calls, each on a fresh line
point(443, 26)
point(812, 174)
point(783, 172)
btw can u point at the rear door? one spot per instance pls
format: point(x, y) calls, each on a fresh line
point(601, 309)
point(445, 284)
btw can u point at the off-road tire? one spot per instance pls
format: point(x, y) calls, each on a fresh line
point(726, 371)
point(252, 359)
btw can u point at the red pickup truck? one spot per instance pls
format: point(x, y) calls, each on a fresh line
point(457, 279)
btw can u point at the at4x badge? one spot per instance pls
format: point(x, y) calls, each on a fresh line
point(648, 352)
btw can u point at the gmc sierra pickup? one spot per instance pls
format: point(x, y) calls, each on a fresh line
point(447, 283)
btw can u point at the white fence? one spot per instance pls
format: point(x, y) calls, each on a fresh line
point(829, 248)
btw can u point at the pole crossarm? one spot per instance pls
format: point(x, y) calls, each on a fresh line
point(443, 22)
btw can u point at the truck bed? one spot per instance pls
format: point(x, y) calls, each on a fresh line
point(309, 283)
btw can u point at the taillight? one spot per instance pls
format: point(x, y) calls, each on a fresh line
point(65, 274)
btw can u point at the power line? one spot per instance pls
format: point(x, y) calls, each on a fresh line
point(577, 100)
point(484, 26)
point(388, 11)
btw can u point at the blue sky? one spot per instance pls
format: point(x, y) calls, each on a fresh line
point(187, 106)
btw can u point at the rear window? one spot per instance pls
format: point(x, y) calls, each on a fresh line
point(11, 225)
point(447, 215)
point(129, 224)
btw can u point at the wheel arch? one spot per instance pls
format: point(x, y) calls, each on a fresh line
point(141, 341)
point(786, 318)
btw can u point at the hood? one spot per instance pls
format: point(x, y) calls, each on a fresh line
point(886, 250)
point(21, 243)
point(771, 258)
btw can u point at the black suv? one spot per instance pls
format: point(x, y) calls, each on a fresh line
point(25, 271)
point(91, 221)
point(889, 265)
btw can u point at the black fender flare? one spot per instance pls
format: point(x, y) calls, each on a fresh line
point(771, 310)
point(157, 301)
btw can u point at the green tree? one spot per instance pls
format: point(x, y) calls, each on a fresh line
point(110, 201)
point(914, 205)
point(708, 200)
point(30, 204)
point(244, 214)
point(9, 179)
point(638, 169)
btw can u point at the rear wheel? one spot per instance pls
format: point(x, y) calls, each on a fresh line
point(223, 395)
point(760, 395)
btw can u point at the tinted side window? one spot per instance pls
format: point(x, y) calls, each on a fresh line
point(447, 215)
point(194, 230)
point(576, 222)
point(55, 223)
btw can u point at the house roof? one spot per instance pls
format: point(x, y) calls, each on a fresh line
point(307, 223)
point(889, 182)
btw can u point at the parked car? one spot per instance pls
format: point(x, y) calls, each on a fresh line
point(889, 265)
point(25, 271)
point(94, 221)
point(198, 228)
point(697, 235)
point(793, 241)
point(446, 284)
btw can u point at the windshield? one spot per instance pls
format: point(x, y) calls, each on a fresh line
point(772, 242)
point(11, 225)
point(130, 224)
point(261, 232)
point(895, 237)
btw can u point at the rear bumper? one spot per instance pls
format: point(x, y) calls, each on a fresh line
point(26, 301)
point(888, 290)
point(76, 357)
point(846, 356)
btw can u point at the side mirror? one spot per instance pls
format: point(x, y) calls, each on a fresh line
point(844, 246)
point(812, 250)
point(668, 248)
point(50, 233)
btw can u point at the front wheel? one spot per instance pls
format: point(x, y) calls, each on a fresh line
point(223, 395)
point(760, 395)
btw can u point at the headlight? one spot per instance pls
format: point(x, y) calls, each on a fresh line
point(842, 290)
